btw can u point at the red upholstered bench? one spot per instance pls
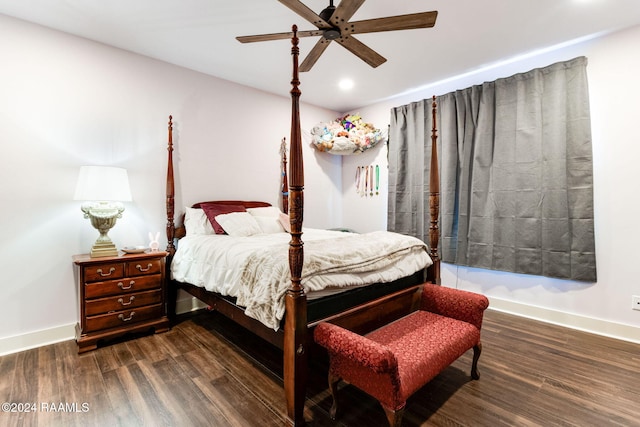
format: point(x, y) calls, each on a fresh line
point(394, 361)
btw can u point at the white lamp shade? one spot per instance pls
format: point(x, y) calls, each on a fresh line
point(103, 183)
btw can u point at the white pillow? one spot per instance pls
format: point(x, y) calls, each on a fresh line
point(267, 218)
point(239, 224)
point(269, 211)
point(196, 222)
point(269, 224)
point(285, 222)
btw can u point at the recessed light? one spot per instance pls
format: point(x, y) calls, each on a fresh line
point(346, 84)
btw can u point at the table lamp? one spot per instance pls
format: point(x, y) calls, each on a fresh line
point(103, 188)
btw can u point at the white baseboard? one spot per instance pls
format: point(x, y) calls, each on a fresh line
point(35, 339)
point(48, 336)
point(574, 321)
point(587, 324)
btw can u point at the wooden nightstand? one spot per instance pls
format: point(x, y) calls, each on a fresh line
point(120, 295)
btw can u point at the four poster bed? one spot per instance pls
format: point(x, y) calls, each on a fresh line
point(360, 309)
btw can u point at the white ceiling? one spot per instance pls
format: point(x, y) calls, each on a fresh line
point(200, 35)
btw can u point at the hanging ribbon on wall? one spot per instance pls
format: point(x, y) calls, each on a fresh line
point(371, 188)
point(367, 180)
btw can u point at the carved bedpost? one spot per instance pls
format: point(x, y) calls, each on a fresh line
point(170, 194)
point(434, 198)
point(285, 180)
point(295, 327)
point(172, 291)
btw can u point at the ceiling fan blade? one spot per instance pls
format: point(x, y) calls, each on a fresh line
point(345, 11)
point(392, 23)
point(313, 56)
point(361, 50)
point(306, 13)
point(277, 36)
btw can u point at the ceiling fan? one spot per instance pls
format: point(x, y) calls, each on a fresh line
point(333, 25)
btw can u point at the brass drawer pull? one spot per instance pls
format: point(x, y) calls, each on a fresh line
point(131, 283)
point(122, 303)
point(139, 267)
point(111, 270)
point(126, 319)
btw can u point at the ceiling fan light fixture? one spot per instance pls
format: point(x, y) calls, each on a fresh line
point(331, 34)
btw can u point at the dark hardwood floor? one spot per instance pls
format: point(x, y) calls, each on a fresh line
point(532, 374)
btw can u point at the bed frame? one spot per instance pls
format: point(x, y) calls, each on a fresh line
point(295, 337)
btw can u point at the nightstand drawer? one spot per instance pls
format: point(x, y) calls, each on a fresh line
point(103, 271)
point(143, 266)
point(123, 318)
point(126, 285)
point(122, 302)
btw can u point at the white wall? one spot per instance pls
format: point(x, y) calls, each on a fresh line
point(67, 102)
point(364, 213)
point(603, 307)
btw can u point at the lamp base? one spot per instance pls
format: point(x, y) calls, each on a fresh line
point(103, 216)
point(103, 249)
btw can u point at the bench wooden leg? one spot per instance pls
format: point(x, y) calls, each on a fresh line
point(474, 365)
point(333, 388)
point(394, 417)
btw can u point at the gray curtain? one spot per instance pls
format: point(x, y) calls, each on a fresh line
point(516, 173)
point(409, 156)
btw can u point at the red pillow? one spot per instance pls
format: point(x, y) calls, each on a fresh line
point(214, 209)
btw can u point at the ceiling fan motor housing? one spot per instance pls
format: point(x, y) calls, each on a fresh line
point(327, 13)
point(333, 32)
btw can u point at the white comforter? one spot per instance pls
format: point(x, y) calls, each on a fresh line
point(255, 269)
